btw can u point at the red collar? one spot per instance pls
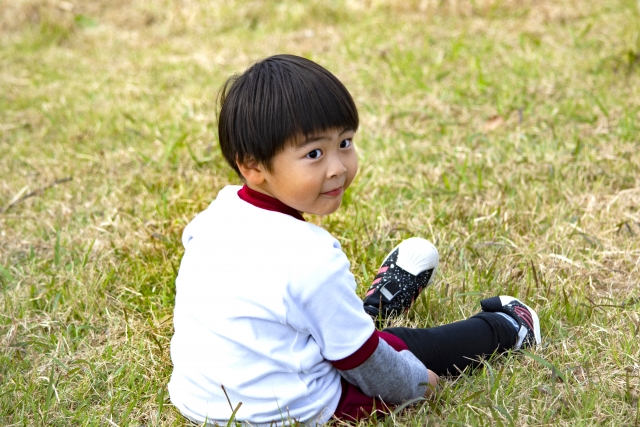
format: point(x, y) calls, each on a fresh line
point(269, 203)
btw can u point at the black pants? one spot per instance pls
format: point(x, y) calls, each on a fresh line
point(449, 349)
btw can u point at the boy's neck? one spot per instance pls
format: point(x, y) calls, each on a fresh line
point(264, 201)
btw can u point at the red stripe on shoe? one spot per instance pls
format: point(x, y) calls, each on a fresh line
point(360, 355)
point(525, 315)
point(377, 280)
point(383, 269)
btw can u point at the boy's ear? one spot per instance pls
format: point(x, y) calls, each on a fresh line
point(252, 171)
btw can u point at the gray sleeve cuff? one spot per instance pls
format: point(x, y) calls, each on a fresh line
point(394, 377)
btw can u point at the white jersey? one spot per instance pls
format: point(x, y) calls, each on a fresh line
point(263, 302)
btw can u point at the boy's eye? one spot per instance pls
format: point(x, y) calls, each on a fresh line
point(315, 154)
point(346, 143)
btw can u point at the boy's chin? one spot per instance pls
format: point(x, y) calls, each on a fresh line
point(324, 211)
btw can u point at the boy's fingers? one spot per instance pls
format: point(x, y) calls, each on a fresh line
point(433, 383)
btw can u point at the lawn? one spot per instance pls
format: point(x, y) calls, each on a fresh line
point(505, 131)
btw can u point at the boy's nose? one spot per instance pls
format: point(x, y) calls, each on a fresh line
point(336, 168)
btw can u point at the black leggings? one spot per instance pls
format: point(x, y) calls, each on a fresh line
point(449, 349)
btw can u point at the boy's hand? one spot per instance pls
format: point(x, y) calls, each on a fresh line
point(433, 384)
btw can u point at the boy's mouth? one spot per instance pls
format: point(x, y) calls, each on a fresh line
point(335, 192)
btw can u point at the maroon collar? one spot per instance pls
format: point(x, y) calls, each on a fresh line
point(269, 203)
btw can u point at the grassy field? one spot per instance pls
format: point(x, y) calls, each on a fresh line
point(505, 131)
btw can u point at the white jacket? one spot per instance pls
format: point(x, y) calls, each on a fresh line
point(263, 301)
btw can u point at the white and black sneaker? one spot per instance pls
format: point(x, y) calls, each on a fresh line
point(525, 317)
point(404, 273)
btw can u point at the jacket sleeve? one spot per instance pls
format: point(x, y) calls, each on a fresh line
point(321, 301)
point(393, 376)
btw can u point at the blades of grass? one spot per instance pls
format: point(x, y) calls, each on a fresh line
point(577, 148)
point(49, 394)
point(56, 249)
point(489, 275)
point(87, 252)
point(6, 274)
point(496, 418)
point(233, 415)
point(445, 180)
point(472, 396)
point(198, 162)
point(399, 408)
point(176, 144)
point(160, 395)
point(505, 413)
point(227, 396)
point(546, 364)
point(598, 102)
point(567, 304)
point(496, 380)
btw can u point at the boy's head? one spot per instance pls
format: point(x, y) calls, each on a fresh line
point(280, 100)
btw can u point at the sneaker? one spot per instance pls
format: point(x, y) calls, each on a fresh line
point(404, 273)
point(526, 318)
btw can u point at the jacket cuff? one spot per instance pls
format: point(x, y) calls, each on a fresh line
point(360, 355)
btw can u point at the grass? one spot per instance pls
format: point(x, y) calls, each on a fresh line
point(506, 131)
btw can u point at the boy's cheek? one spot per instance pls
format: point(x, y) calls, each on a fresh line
point(354, 173)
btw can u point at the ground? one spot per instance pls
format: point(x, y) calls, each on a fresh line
point(505, 131)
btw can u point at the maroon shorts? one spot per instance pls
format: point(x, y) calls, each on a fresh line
point(354, 405)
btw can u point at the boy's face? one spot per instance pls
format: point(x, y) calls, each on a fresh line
point(312, 175)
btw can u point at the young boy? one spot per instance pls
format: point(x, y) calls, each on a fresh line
point(266, 312)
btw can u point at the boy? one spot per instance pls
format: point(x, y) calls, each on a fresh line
point(266, 312)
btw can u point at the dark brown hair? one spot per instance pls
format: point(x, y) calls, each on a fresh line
point(275, 102)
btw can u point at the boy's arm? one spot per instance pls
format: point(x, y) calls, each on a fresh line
point(321, 301)
point(394, 376)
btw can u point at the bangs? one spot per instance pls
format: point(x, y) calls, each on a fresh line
point(313, 106)
point(276, 102)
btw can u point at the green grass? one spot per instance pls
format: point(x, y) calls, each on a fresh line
point(505, 131)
